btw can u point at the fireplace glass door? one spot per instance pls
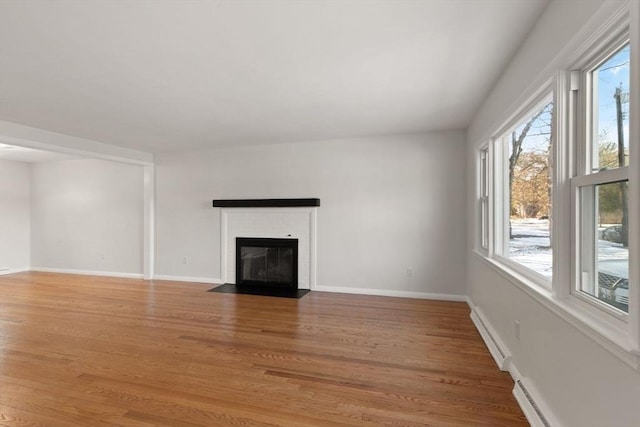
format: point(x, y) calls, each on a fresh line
point(267, 262)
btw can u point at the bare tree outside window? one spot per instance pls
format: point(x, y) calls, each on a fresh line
point(530, 192)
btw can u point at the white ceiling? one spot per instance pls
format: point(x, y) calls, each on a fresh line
point(181, 74)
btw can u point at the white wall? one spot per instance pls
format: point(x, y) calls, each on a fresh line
point(14, 215)
point(87, 215)
point(580, 382)
point(388, 204)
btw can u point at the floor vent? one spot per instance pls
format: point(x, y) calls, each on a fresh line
point(529, 406)
point(501, 356)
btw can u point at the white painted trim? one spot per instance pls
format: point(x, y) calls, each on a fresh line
point(491, 339)
point(148, 233)
point(30, 137)
point(469, 302)
point(563, 155)
point(602, 177)
point(223, 246)
point(188, 279)
point(608, 25)
point(88, 272)
point(392, 293)
point(5, 271)
point(533, 278)
point(634, 177)
point(313, 245)
point(539, 99)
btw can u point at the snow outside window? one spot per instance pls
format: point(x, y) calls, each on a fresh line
point(523, 235)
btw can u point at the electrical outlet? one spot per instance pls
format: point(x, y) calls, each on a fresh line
point(185, 260)
point(516, 329)
point(409, 272)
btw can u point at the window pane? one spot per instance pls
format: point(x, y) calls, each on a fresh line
point(529, 239)
point(610, 95)
point(605, 248)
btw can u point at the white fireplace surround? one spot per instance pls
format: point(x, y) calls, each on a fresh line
point(294, 223)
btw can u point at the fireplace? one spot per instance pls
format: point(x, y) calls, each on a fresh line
point(267, 262)
point(282, 222)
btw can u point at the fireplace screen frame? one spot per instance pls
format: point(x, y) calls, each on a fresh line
point(267, 242)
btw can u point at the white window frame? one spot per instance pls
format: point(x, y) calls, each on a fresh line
point(584, 176)
point(501, 208)
point(483, 195)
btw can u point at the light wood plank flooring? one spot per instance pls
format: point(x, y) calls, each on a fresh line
point(95, 351)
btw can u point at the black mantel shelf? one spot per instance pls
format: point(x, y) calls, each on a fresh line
point(266, 203)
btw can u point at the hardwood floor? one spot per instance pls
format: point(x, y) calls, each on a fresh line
point(95, 351)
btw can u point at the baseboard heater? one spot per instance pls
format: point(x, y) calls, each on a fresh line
point(531, 410)
point(495, 346)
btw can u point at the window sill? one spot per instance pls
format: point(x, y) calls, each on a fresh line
point(611, 334)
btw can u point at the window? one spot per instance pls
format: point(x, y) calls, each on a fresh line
point(524, 227)
point(556, 188)
point(484, 198)
point(601, 184)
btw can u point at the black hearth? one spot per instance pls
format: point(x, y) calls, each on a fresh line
point(267, 262)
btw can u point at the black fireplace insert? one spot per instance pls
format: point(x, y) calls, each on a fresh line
point(267, 262)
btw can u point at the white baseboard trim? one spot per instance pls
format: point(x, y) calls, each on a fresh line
point(88, 272)
point(391, 293)
point(211, 280)
point(7, 270)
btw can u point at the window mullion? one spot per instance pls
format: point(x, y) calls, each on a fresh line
point(561, 189)
point(506, 201)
